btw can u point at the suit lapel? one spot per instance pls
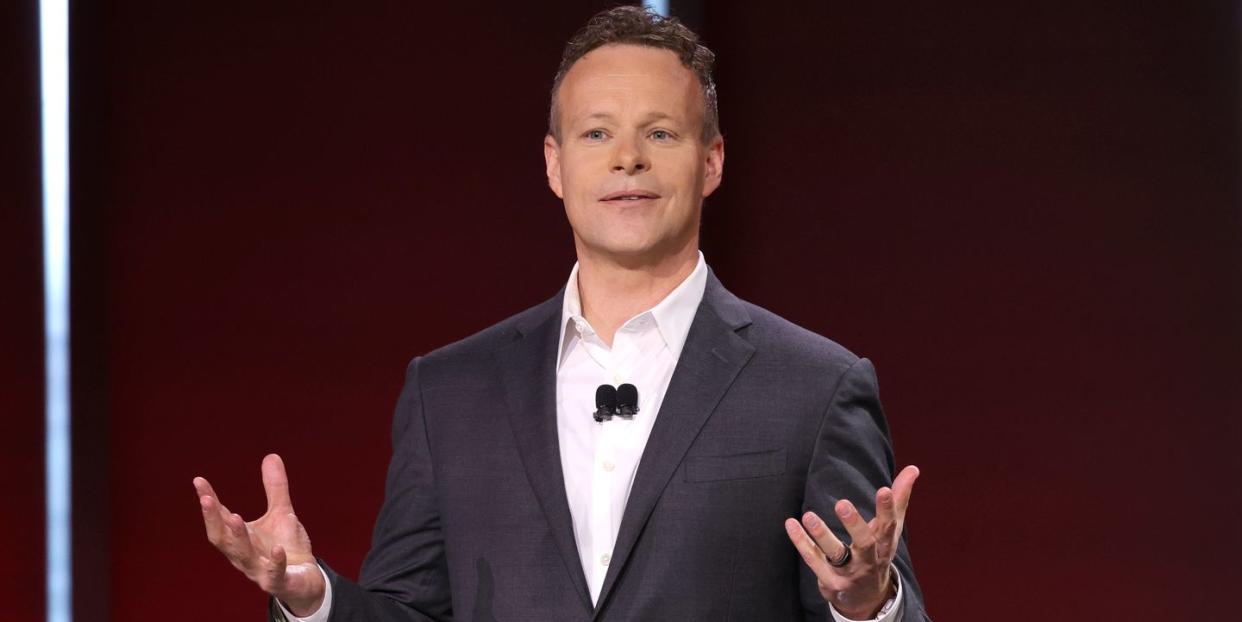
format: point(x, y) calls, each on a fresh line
point(528, 371)
point(710, 359)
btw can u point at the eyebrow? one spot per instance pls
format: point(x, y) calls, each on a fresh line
point(647, 120)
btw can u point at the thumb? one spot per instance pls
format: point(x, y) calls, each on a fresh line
point(276, 484)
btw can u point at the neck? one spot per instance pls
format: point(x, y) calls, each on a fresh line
point(614, 291)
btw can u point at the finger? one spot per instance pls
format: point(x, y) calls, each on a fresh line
point(276, 484)
point(213, 519)
point(279, 559)
point(823, 536)
point(861, 538)
point(812, 555)
point(274, 567)
point(227, 532)
point(237, 526)
point(238, 547)
point(214, 512)
point(885, 525)
point(903, 486)
point(885, 509)
point(203, 487)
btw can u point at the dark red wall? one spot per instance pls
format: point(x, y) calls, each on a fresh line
point(21, 318)
point(1028, 218)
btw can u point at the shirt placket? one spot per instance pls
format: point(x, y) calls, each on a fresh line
point(609, 455)
point(599, 515)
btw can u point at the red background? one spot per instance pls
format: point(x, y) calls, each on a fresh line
point(21, 318)
point(1028, 217)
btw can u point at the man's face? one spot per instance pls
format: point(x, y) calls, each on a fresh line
point(631, 165)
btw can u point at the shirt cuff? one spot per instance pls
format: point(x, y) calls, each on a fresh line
point(892, 615)
point(321, 614)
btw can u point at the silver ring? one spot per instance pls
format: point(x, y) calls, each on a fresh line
point(845, 559)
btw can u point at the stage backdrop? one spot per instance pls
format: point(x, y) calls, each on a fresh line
point(1027, 217)
point(21, 318)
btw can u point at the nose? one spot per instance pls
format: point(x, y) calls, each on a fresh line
point(629, 157)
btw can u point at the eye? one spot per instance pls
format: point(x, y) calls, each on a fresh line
point(595, 135)
point(662, 135)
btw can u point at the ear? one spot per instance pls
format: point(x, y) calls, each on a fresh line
point(552, 160)
point(713, 170)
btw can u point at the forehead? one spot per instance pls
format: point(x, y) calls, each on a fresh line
point(622, 77)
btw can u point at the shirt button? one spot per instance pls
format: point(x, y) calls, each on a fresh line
point(616, 379)
point(609, 466)
point(604, 559)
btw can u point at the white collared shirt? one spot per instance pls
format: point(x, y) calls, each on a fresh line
point(599, 460)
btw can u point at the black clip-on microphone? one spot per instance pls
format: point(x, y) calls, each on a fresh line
point(627, 401)
point(612, 402)
point(605, 402)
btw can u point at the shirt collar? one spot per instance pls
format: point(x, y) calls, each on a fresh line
point(673, 315)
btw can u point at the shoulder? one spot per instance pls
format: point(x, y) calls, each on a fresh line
point(803, 369)
point(781, 342)
point(776, 340)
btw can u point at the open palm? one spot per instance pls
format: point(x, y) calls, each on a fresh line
point(274, 550)
point(856, 577)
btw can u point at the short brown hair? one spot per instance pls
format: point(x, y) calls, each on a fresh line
point(638, 26)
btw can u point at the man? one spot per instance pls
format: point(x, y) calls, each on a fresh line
point(513, 495)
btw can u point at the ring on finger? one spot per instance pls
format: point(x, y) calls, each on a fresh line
point(843, 560)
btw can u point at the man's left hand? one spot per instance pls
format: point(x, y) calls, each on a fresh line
point(858, 588)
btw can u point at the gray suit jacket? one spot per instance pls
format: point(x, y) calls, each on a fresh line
point(762, 420)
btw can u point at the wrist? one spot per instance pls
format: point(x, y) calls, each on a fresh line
point(875, 607)
point(307, 601)
point(303, 608)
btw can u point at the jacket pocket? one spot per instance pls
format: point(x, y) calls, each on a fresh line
point(735, 466)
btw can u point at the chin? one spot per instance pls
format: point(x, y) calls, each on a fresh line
point(622, 249)
point(629, 251)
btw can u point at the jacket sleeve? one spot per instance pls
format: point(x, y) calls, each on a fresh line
point(853, 458)
point(405, 575)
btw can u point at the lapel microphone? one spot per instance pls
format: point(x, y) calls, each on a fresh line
point(612, 402)
point(627, 401)
point(605, 402)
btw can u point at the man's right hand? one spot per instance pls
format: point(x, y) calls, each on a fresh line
point(273, 551)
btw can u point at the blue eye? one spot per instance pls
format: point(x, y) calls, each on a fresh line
point(595, 135)
point(661, 135)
